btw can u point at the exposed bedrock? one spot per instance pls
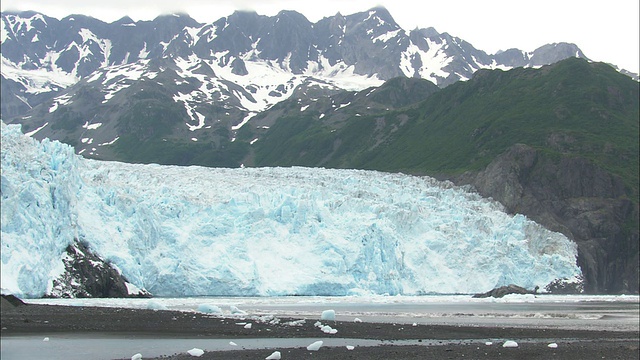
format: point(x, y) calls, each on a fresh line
point(576, 197)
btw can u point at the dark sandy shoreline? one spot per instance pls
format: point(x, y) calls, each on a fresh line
point(451, 342)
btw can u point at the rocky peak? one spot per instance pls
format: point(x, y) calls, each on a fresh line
point(552, 53)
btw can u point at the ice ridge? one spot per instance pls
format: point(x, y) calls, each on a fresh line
point(181, 231)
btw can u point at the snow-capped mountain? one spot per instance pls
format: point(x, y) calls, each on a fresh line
point(179, 231)
point(369, 43)
point(66, 78)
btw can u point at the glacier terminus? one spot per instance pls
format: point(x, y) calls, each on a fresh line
point(188, 231)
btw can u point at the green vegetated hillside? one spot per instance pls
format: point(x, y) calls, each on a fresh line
point(571, 108)
point(332, 130)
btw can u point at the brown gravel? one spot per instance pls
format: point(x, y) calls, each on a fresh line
point(572, 344)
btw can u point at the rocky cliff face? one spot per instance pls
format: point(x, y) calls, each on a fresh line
point(573, 196)
point(87, 275)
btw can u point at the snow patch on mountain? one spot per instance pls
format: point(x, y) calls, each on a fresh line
point(39, 80)
point(179, 231)
point(432, 61)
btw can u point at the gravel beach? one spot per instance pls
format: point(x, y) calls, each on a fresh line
point(429, 341)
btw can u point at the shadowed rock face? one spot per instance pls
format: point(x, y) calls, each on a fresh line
point(577, 198)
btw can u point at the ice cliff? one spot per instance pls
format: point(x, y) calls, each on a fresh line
point(179, 231)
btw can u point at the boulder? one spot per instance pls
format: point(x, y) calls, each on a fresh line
point(505, 290)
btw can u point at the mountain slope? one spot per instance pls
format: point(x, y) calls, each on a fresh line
point(353, 52)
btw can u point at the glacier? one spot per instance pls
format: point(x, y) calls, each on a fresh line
point(190, 231)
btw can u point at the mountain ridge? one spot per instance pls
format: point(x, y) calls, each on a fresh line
point(359, 41)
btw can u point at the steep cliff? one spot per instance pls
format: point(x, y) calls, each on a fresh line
point(573, 196)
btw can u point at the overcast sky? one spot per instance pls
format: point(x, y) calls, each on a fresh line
point(605, 30)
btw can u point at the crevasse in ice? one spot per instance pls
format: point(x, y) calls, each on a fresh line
point(179, 231)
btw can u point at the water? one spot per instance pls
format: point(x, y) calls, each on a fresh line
point(104, 346)
point(612, 313)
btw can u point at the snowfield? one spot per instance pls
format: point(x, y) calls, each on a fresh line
point(186, 231)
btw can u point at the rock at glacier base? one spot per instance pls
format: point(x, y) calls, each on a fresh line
point(505, 290)
point(86, 276)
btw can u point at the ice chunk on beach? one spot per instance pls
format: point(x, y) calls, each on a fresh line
point(328, 330)
point(553, 345)
point(137, 356)
point(195, 352)
point(328, 315)
point(209, 309)
point(510, 344)
point(247, 326)
point(357, 320)
point(315, 346)
point(274, 356)
point(350, 347)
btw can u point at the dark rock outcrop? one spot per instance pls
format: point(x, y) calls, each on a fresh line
point(565, 287)
point(505, 290)
point(87, 275)
point(577, 198)
point(10, 301)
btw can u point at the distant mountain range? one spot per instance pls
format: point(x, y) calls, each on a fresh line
point(547, 133)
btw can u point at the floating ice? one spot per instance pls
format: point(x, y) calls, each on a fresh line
point(232, 343)
point(235, 311)
point(209, 309)
point(328, 315)
point(195, 352)
point(274, 356)
point(154, 305)
point(45, 339)
point(315, 346)
point(137, 356)
point(188, 231)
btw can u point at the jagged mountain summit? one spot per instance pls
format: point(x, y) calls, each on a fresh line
point(65, 78)
point(41, 54)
